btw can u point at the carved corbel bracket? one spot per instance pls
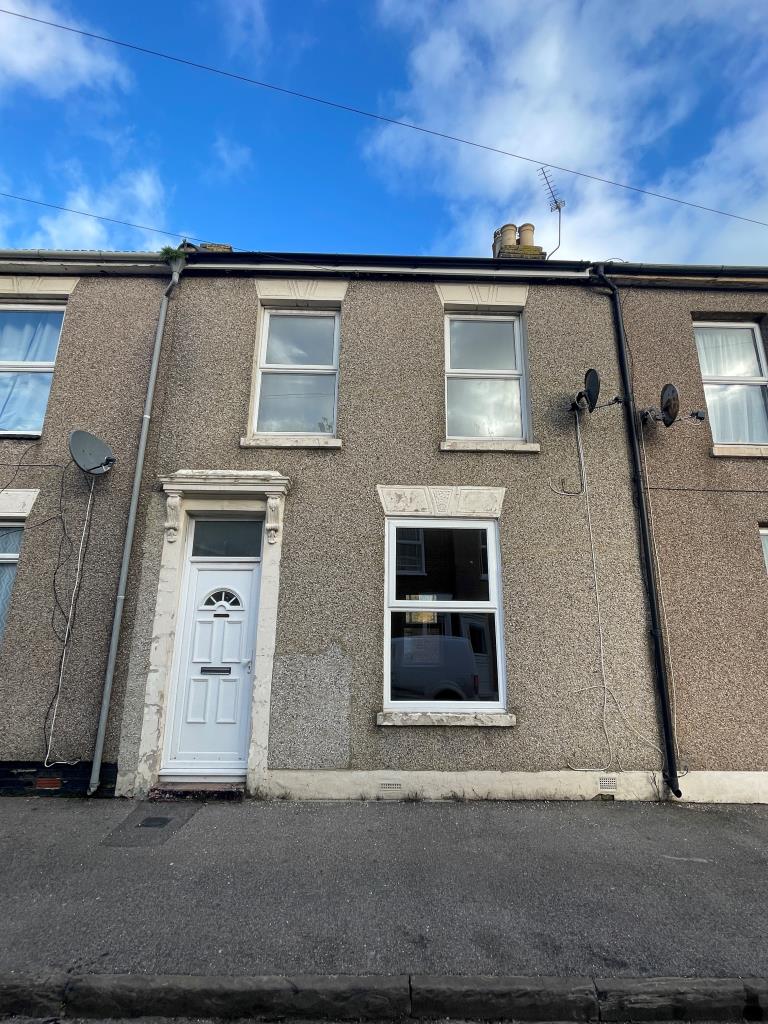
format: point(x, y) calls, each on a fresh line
point(273, 517)
point(172, 515)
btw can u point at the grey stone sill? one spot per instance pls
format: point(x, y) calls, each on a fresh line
point(289, 441)
point(457, 445)
point(495, 719)
point(741, 451)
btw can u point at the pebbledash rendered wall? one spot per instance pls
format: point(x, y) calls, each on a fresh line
point(98, 385)
point(327, 683)
point(707, 513)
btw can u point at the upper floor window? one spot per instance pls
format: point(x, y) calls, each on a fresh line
point(298, 371)
point(484, 378)
point(735, 375)
point(29, 340)
point(443, 636)
point(764, 539)
point(10, 544)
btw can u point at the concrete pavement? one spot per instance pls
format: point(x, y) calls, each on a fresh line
point(380, 888)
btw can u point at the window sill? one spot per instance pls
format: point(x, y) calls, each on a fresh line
point(741, 451)
point(498, 719)
point(471, 445)
point(289, 441)
point(21, 434)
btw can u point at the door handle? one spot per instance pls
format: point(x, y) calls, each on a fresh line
point(249, 663)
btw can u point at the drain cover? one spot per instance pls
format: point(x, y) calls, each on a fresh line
point(145, 827)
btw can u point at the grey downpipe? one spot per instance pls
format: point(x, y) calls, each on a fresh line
point(177, 265)
point(670, 771)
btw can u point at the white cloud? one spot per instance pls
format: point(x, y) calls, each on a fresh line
point(245, 27)
point(50, 61)
point(231, 158)
point(598, 86)
point(137, 196)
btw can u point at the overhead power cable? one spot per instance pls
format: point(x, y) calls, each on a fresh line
point(361, 112)
point(97, 216)
point(274, 257)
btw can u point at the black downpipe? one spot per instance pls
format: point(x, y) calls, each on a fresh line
point(660, 664)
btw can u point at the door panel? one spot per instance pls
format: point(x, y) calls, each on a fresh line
point(203, 642)
point(232, 641)
point(198, 699)
point(226, 708)
point(211, 717)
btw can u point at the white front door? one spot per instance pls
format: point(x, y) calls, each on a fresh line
point(209, 725)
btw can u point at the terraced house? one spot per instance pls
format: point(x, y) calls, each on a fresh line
point(387, 540)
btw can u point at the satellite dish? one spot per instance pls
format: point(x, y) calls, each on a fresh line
point(591, 388)
point(90, 453)
point(587, 399)
point(670, 404)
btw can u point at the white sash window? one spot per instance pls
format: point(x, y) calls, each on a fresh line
point(735, 375)
point(29, 341)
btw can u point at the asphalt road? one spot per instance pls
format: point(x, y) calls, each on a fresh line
point(383, 888)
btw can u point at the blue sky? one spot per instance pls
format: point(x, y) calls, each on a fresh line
point(671, 97)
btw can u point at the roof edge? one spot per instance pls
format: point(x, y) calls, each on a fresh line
point(340, 262)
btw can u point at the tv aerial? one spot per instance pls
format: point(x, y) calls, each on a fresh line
point(90, 453)
point(556, 204)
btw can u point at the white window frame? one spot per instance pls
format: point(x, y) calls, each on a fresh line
point(320, 369)
point(11, 558)
point(520, 374)
point(764, 544)
point(761, 381)
point(11, 366)
point(492, 605)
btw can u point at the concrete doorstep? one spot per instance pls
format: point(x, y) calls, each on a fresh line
point(384, 998)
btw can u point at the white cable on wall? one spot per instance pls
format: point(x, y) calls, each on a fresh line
point(601, 641)
point(48, 763)
point(603, 685)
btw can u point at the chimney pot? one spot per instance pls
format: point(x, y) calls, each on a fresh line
point(526, 234)
point(503, 237)
point(508, 245)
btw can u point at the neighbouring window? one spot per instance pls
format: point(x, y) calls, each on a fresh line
point(484, 378)
point(29, 340)
point(10, 545)
point(443, 623)
point(298, 371)
point(764, 539)
point(410, 551)
point(735, 375)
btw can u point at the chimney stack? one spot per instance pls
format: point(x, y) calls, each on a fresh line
point(509, 245)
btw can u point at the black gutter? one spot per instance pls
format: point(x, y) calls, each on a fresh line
point(337, 261)
point(691, 270)
point(670, 771)
point(405, 262)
